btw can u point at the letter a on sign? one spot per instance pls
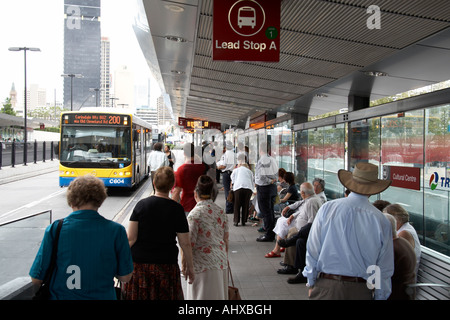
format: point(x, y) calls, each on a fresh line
point(374, 21)
point(252, 22)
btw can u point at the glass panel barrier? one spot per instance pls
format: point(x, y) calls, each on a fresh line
point(413, 141)
point(374, 139)
point(365, 143)
point(284, 138)
point(301, 156)
point(253, 149)
point(402, 146)
point(437, 179)
point(315, 154)
point(20, 241)
point(334, 160)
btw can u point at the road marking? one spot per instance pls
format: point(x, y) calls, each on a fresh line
point(32, 204)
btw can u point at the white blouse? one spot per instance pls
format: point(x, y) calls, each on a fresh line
point(242, 178)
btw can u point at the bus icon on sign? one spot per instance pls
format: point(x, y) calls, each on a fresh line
point(246, 17)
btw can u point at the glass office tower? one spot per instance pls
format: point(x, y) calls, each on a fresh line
point(82, 52)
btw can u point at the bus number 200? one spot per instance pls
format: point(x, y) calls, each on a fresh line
point(114, 119)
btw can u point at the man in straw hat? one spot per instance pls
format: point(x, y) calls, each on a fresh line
point(350, 251)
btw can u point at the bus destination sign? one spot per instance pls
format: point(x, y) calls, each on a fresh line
point(96, 119)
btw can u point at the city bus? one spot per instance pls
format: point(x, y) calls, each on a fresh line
point(112, 146)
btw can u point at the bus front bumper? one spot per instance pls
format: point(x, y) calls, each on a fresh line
point(109, 182)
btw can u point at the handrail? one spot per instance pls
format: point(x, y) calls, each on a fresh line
point(27, 217)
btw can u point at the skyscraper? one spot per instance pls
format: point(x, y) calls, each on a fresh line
point(82, 51)
point(124, 88)
point(105, 81)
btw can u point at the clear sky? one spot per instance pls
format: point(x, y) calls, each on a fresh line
point(33, 23)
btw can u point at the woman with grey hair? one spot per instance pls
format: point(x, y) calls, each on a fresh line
point(319, 188)
point(92, 250)
point(404, 228)
point(404, 265)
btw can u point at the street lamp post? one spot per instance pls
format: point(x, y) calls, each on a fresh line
point(25, 49)
point(71, 76)
point(112, 101)
point(97, 90)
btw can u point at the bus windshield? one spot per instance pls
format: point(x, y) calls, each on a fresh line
point(95, 147)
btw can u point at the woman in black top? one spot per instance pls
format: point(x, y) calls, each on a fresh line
point(170, 156)
point(292, 194)
point(155, 225)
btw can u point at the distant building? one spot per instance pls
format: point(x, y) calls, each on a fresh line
point(82, 50)
point(165, 114)
point(36, 97)
point(105, 72)
point(13, 97)
point(124, 88)
point(149, 115)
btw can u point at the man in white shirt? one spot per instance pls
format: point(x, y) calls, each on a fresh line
point(226, 164)
point(157, 159)
point(266, 176)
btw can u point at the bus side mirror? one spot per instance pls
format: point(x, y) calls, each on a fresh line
point(135, 135)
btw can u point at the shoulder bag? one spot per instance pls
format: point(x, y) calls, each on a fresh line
point(233, 292)
point(43, 293)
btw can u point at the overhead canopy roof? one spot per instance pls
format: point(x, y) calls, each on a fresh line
point(325, 46)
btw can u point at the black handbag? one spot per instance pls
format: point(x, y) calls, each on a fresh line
point(43, 293)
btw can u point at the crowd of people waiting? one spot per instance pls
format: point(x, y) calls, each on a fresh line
point(329, 245)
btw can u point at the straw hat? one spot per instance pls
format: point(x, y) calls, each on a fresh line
point(364, 179)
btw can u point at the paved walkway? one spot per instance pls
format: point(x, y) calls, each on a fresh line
point(19, 172)
point(254, 275)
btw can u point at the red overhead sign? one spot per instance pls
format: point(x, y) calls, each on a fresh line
point(403, 177)
point(246, 30)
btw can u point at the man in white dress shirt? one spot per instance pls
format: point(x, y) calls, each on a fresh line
point(226, 164)
point(157, 159)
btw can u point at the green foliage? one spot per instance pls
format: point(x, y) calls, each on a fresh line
point(48, 113)
point(7, 107)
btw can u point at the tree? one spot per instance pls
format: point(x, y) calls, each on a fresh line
point(51, 113)
point(7, 107)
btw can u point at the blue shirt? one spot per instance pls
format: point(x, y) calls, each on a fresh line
point(348, 236)
point(91, 251)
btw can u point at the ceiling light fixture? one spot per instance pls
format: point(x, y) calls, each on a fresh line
point(177, 72)
point(175, 39)
point(174, 8)
point(375, 73)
